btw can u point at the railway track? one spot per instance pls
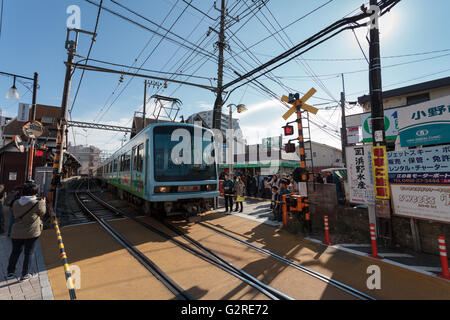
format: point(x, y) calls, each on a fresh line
point(196, 248)
point(199, 251)
point(83, 200)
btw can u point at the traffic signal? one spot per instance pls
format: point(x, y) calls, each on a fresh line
point(289, 147)
point(293, 97)
point(288, 130)
point(39, 153)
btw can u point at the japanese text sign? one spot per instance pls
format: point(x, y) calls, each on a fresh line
point(425, 123)
point(380, 172)
point(359, 175)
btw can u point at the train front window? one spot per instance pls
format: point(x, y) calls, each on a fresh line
point(166, 166)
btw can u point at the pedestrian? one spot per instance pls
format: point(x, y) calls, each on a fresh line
point(283, 191)
point(275, 202)
point(329, 177)
point(267, 191)
point(2, 216)
point(11, 197)
point(240, 193)
point(228, 191)
point(28, 213)
point(319, 178)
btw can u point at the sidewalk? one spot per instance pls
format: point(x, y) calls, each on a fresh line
point(259, 211)
point(37, 288)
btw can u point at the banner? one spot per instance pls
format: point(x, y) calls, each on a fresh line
point(429, 165)
point(360, 179)
point(390, 124)
point(23, 112)
point(423, 202)
point(380, 172)
point(425, 123)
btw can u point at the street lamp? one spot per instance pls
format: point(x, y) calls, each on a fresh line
point(13, 93)
point(239, 108)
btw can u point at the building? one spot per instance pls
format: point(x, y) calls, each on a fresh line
point(257, 159)
point(13, 163)
point(207, 117)
point(88, 157)
point(359, 125)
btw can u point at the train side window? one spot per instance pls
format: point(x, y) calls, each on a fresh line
point(140, 157)
point(135, 159)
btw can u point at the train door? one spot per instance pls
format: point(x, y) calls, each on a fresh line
point(146, 166)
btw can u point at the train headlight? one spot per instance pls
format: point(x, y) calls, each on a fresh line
point(211, 187)
point(162, 189)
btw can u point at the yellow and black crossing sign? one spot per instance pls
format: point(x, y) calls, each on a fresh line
point(301, 102)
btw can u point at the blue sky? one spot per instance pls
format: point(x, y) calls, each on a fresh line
point(33, 35)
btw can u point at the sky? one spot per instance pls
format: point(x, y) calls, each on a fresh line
point(33, 34)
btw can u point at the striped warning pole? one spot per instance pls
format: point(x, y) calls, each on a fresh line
point(327, 233)
point(63, 255)
point(444, 262)
point(373, 238)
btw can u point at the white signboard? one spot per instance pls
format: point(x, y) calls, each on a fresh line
point(360, 174)
point(22, 113)
point(353, 135)
point(422, 201)
point(390, 124)
point(12, 176)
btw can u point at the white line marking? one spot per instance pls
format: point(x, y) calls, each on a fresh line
point(355, 245)
point(432, 269)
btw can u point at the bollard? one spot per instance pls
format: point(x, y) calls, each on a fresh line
point(327, 233)
point(373, 238)
point(444, 262)
point(284, 210)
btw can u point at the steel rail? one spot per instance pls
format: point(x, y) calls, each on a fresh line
point(138, 255)
point(356, 293)
point(211, 258)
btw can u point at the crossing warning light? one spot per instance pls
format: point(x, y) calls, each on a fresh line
point(288, 130)
point(39, 153)
point(289, 147)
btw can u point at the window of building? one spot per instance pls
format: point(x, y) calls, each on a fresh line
point(418, 98)
point(47, 120)
point(314, 154)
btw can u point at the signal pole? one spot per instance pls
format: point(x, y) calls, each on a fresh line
point(343, 124)
point(145, 102)
point(217, 111)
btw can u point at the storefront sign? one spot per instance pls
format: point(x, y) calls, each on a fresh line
point(272, 142)
point(422, 202)
point(380, 172)
point(429, 165)
point(390, 125)
point(425, 123)
point(22, 113)
point(360, 177)
point(353, 135)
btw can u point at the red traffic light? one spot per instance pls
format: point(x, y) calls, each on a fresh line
point(39, 153)
point(288, 130)
point(289, 147)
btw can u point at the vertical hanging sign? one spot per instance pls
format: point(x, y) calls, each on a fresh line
point(22, 113)
point(380, 172)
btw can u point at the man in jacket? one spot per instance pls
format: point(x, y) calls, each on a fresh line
point(228, 192)
point(28, 213)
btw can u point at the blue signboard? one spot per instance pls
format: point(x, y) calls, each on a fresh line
point(430, 165)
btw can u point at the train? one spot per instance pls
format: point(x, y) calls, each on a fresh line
point(159, 169)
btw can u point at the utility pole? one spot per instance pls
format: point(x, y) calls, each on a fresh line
point(343, 124)
point(71, 46)
point(217, 111)
point(145, 101)
point(382, 204)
